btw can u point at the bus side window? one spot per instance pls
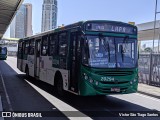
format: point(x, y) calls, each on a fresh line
point(23, 47)
point(20, 48)
point(53, 44)
point(85, 51)
point(31, 47)
point(26, 49)
point(38, 48)
point(44, 51)
point(63, 44)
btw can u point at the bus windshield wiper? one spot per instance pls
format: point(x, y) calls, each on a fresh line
point(122, 52)
point(107, 49)
point(123, 49)
point(125, 41)
point(104, 46)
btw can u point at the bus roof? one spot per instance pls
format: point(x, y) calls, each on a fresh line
point(80, 23)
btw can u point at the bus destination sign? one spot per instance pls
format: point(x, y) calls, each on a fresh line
point(110, 27)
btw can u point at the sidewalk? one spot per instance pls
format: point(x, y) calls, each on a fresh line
point(149, 90)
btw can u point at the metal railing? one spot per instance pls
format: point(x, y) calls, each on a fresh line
point(149, 64)
point(12, 53)
point(149, 69)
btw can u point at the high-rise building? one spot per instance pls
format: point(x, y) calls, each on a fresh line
point(29, 30)
point(21, 26)
point(49, 15)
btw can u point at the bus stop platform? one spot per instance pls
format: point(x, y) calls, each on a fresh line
point(149, 90)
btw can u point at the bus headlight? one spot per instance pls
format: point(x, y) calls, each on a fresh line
point(85, 76)
point(90, 80)
point(96, 83)
point(135, 80)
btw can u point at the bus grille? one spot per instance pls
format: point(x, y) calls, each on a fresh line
point(119, 82)
point(114, 73)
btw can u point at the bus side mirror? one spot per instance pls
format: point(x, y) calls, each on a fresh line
point(138, 52)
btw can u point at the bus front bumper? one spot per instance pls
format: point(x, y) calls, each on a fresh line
point(86, 89)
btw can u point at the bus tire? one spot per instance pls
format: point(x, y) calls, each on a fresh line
point(59, 86)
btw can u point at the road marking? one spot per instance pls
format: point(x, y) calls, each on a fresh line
point(152, 98)
point(1, 108)
point(60, 105)
point(6, 94)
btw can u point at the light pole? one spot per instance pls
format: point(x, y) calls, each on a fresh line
point(155, 18)
point(151, 61)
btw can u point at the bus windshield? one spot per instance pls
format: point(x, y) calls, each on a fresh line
point(110, 52)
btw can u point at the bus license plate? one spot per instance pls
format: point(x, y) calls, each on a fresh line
point(115, 89)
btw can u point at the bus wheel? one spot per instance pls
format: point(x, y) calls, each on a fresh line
point(59, 87)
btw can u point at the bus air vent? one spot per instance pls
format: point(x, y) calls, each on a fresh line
point(119, 82)
point(114, 73)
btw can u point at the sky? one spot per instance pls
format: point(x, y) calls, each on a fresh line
point(70, 11)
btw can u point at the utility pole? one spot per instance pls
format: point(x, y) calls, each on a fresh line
point(155, 21)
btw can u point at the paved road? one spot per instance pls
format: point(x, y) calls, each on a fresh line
point(32, 95)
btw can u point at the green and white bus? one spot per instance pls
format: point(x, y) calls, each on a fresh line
point(95, 57)
point(3, 53)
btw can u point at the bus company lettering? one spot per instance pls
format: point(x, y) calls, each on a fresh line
point(118, 29)
point(107, 79)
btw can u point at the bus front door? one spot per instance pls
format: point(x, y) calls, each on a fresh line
point(75, 61)
point(37, 56)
